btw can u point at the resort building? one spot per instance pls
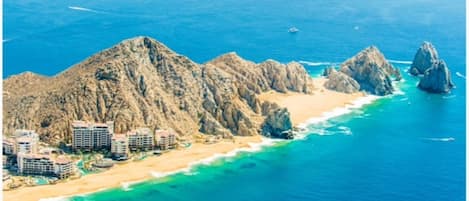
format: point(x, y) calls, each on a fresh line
point(140, 139)
point(63, 167)
point(91, 136)
point(39, 164)
point(8, 146)
point(165, 139)
point(26, 145)
point(119, 145)
point(35, 164)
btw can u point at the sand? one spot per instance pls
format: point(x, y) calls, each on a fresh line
point(132, 171)
point(301, 106)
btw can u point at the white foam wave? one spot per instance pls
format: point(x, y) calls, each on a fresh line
point(399, 61)
point(311, 63)
point(445, 139)
point(358, 103)
point(460, 75)
point(126, 185)
point(253, 147)
point(345, 130)
point(82, 9)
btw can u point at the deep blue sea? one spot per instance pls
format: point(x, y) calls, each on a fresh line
point(410, 146)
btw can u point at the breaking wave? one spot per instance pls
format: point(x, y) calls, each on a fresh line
point(399, 61)
point(310, 63)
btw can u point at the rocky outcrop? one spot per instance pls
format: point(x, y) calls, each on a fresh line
point(424, 58)
point(278, 124)
point(437, 78)
point(371, 71)
point(141, 82)
point(341, 82)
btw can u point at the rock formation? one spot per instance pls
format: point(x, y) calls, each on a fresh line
point(278, 124)
point(141, 82)
point(436, 75)
point(341, 82)
point(437, 78)
point(371, 71)
point(423, 59)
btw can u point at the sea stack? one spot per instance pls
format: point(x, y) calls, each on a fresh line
point(424, 58)
point(437, 78)
point(370, 69)
point(436, 75)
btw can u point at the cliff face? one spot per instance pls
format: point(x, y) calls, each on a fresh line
point(340, 82)
point(141, 82)
point(371, 71)
point(437, 78)
point(425, 56)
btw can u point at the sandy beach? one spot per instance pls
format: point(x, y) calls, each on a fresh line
point(132, 171)
point(301, 106)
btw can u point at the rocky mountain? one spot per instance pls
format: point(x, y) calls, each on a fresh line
point(141, 82)
point(369, 69)
point(425, 56)
point(437, 78)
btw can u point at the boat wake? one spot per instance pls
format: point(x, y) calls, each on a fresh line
point(83, 9)
point(449, 97)
point(445, 139)
point(460, 75)
point(399, 61)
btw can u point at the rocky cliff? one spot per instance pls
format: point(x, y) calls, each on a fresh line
point(141, 82)
point(366, 71)
point(437, 78)
point(425, 56)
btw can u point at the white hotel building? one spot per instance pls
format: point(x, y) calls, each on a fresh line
point(91, 136)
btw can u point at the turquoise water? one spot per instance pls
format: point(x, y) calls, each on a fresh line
point(406, 147)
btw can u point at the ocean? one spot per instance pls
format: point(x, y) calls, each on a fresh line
point(409, 146)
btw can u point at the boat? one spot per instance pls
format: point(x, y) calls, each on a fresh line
point(293, 30)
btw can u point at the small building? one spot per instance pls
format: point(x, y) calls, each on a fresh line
point(8, 146)
point(91, 136)
point(119, 146)
point(165, 139)
point(140, 139)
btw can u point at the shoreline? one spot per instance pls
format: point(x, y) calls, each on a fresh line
point(304, 110)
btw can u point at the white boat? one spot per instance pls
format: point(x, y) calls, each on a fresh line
point(293, 30)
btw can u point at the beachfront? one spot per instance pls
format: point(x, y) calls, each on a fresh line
point(302, 107)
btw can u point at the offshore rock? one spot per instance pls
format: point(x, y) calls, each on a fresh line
point(424, 58)
point(437, 79)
